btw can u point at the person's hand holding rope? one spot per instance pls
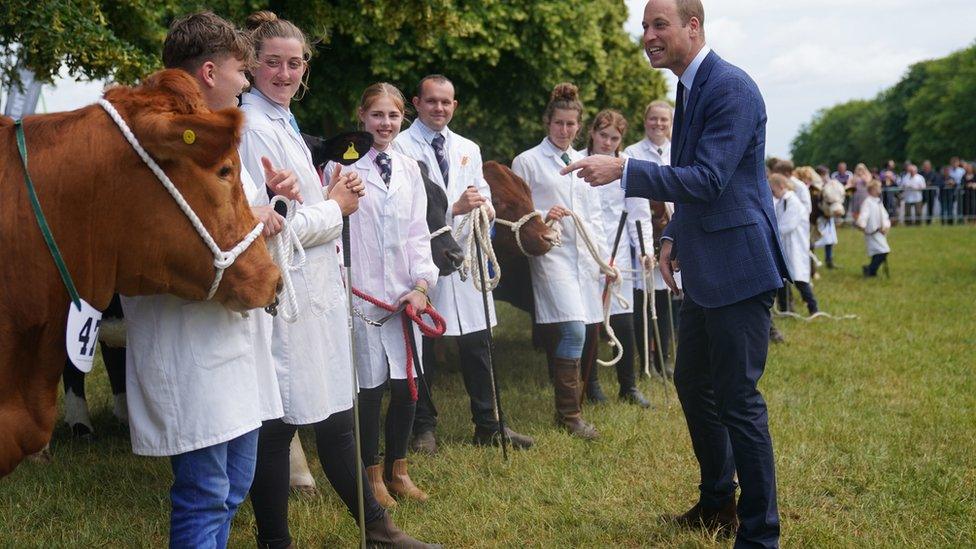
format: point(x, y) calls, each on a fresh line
point(556, 213)
point(416, 298)
point(469, 200)
point(273, 223)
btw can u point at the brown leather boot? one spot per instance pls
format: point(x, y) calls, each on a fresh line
point(566, 386)
point(399, 483)
point(383, 533)
point(375, 475)
point(723, 519)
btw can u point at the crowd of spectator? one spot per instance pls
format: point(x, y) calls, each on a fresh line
point(914, 194)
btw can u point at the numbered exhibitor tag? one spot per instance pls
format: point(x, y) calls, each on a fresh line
point(81, 336)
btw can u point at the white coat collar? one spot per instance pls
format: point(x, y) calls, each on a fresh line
point(368, 164)
point(261, 102)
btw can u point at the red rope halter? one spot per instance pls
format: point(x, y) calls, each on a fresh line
point(410, 314)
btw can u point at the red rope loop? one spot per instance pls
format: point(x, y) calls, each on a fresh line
point(410, 314)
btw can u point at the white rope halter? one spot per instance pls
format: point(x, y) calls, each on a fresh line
point(222, 259)
point(442, 230)
point(517, 229)
point(285, 247)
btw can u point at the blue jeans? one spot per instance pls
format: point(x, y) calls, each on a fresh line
point(208, 486)
point(572, 335)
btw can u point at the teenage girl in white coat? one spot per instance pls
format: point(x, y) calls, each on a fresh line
point(566, 282)
point(312, 355)
point(391, 261)
point(606, 135)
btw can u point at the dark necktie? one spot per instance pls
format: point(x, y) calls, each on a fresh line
point(438, 144)
point(679, 114)
point(660, 152)
point(386, 167)
point(565, 158)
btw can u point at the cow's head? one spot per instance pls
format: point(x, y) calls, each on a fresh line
point(512, 199)
point(831, 199)
point(161, 252)
point(445, 250)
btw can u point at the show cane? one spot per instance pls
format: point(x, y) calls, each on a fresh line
point(499, 416)
point(360, 502)
point(606, 292)
point(649, 290)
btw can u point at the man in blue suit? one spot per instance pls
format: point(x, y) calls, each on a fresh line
point(723, 236)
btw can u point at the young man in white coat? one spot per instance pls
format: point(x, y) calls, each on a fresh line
point(180, 351)
point(455, 163)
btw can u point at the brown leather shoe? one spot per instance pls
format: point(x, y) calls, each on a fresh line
point(375, 475)
point(566, 388)
point(723, 519)
point(399, 484)
point(424, 443)
point(383, 532)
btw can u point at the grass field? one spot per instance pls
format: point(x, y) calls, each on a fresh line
point(873, 421)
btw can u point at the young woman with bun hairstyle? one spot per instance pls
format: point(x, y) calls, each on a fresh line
point(606, 137)
point(312, 355)
point(566, 282)
point(392, 262)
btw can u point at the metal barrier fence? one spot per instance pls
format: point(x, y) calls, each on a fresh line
point(947, 206)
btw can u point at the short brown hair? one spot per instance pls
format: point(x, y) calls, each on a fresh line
point(200, 37)
point(436, 78)
point(691, 8)
point(784, 167)
point(780, 180)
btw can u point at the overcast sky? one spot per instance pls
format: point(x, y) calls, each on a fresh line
point(810, 54)
point(804, 54)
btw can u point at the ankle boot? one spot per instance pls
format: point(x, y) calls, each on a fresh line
point(375, 475)
point(594, 392)
point(383, 533)
point(399, 483)
point(566, 386)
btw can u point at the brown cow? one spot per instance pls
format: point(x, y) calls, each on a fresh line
point(117, 228)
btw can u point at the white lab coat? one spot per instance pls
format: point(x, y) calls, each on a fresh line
point(390, 253)
point(872, 220)
point(645, 150)
point(457, 301)
point(828, 232)
point(312, 355)
point(566, 282)
point(612, 203)
point(790, 213)
point(197, 374)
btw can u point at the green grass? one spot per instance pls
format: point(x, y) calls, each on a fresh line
point(873, 421)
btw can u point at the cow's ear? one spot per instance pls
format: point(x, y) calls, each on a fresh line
point(203, 138)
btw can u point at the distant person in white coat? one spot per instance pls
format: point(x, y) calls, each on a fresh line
point(391, 261)
point(312, 355)
point(179, 351)
point(802, 193)
point(656, 147)
point(606, 134)
point(875, 224)
point(455, 164)
point(790, 213)
point(566, 282)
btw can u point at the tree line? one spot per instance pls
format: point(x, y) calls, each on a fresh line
point(504, 56)
point(929, 114)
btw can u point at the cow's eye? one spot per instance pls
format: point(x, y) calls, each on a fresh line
point(225, 172)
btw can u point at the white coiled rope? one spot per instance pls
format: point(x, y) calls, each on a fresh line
point(285, 247)
point(478, 225)
point(516, 227)
point(222, 259)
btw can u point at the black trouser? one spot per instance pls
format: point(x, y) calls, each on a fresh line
point(785, 297)
point(876, 261)
point(661, 298)
point(947, 203)
point(829, 254)
point(930, 195)
point(399, 421)
point(476, 372)
point(336, 447)
point(623, 327)
point(969, 203)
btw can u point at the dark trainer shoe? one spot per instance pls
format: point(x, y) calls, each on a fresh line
point(634, 396)
point(722, 520)
point(491, 437)
point(424, 443)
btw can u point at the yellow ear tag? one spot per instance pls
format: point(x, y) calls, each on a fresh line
point(189, 137)
point(350, 153)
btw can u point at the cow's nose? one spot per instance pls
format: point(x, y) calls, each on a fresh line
point(550, 236)
point(455, 257)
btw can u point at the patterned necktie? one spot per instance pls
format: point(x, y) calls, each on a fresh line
point(438, 144)
point(386, 167)
point(565, 158)
point(660, 151)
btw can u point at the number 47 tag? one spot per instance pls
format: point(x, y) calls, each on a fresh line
point(82, 334)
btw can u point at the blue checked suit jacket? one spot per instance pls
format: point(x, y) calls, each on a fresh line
point(724, 226)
